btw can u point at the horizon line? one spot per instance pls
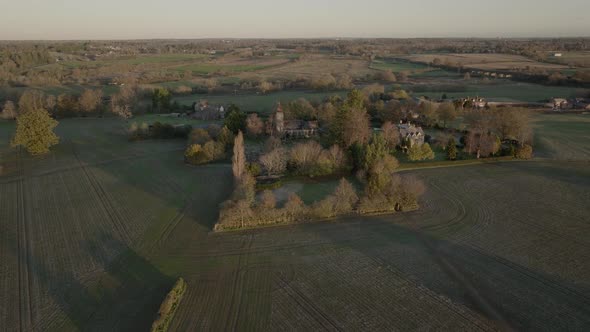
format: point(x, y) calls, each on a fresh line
point(292, 38)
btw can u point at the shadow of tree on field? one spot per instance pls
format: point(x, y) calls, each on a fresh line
point(511, 295)
point(123, 297)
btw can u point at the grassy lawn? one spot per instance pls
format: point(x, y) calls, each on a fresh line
point(151, 118)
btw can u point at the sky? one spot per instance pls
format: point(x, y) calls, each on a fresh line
point(148, 19)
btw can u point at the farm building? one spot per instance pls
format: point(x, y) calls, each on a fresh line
point(291, 128)
point(204, 111)
point(558, 103)
point(473, 103)
point(411, 134)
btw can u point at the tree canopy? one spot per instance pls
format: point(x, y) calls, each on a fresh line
point(34, 132)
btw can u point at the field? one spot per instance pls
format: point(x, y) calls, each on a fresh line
point(93, 235)
point(563, 136)
point(579, 59)
point(487, 61)
point(499, 90)
point(316, 66)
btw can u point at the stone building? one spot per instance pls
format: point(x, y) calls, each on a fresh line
point(291, 128)
point(410, 135)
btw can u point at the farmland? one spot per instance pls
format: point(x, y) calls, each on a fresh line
point(93, 235)
point(487, 61)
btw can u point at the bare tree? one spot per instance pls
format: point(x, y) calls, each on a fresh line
point(304, 155)
point(239, 157)
point(275, 162)
point(294, 206)
point(31, 100)
point(90, 100)
point(391, 135)
point(346, 197)
point(447, 113)
point(268, 200)
point(272, 143)
point(254, 125)
point(356, 128)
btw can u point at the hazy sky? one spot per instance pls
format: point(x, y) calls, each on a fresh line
point(130, 19)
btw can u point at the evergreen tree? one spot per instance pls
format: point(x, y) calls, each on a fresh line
point(34, 132)
point(452, 149)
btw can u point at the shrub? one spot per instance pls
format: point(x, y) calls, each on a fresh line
point(324, 208)
point(194, 154)
point(213, 150)
point(254, 169)
point(199, 136)
point(524, 152)
point(169, 306)
point(274, 162)
point(416, 152)
point(451, 149)
point(427, 153)
point(346, 197)
point(294, 207)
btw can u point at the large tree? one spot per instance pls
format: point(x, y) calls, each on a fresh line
point(254, 125)
point(446, 113)
point(235, 119)
point(239, 157)
point(90, 100)
point(31, 100)
point(274, 162)
point(34, 132)
point(391, 135)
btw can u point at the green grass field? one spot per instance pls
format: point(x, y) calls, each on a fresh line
point(563, 136)
point(505, 90)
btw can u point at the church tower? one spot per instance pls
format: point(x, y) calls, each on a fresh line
point(279, 120)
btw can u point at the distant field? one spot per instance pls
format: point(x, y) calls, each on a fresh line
point(580, 59)
point(487, 61)
point(317, 66)
point(563, 136)
point(397, 66)
point(501, 90)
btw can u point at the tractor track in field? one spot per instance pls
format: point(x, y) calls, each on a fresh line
point(428, 293)
point(23, 247)
point(551, 284)
point(113, 214)
point(19, 177)
point(237, 287)
point(307, 305)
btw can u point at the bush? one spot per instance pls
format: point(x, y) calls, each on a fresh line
point(424, 152)
point(524, 152)
point(346, 197)
point(169, 306)
point(324, 208)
